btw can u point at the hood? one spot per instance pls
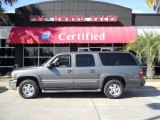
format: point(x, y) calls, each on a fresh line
point(28, 68)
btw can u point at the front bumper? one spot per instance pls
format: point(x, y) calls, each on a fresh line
point(12, 84)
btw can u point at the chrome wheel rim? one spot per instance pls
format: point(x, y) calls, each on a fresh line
point(114, 89)
point(28, 90)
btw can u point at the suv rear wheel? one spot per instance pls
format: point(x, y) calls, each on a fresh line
point(28, 89)
point(113, 89)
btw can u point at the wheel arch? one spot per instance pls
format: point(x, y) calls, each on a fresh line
point(108, 78)
point(34, 78)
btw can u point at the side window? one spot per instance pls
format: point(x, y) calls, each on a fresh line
point(117, 59)
point(85, 60)
point(62, 61)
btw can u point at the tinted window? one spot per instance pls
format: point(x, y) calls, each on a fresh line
point(117, 59)
point(85, 60)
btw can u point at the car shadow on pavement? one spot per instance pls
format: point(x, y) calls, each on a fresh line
point(146, 91)
point(154, 118)
point(129, 93)
point(154, 106)
point(3, 89)
point(73, 95)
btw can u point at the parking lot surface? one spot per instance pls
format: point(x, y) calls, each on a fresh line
point(136, 104)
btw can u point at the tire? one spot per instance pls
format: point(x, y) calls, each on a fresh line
point(28, 89)
point(113, 89)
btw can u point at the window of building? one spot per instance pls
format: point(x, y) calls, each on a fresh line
point(83, 49)
point(118, 47)
point(30, 61)
point(85, 60)
point(83, 45)
point(31, 51)
point(38, 54)
point(61, 49)
point(45, 53)
point(30, 56)
point(95, 49)
point(6, 57)
point(100, 47)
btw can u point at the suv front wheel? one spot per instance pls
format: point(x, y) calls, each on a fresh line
point(113, 89)
point(28, 89)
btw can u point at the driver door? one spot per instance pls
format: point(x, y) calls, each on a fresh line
point(59, 74)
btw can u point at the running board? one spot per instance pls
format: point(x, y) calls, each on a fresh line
point(60, 91)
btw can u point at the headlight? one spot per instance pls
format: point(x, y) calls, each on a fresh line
point(13, 75)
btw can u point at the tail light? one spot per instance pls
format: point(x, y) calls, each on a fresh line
point(141, 73)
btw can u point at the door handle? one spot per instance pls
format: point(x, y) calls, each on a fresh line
point(92, 71)
point(69, 71)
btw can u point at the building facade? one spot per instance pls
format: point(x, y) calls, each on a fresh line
point(38, 31)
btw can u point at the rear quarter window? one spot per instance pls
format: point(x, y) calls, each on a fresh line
point(117, 59)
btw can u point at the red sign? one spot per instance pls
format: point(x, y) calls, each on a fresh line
point(75, 34)
point(70, 18)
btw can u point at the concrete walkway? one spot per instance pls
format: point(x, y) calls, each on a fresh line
point(153, 84)
point(136, 104)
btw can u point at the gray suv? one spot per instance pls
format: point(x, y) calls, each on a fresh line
point(109, 72)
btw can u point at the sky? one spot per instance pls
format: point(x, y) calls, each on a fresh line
point(137, 6)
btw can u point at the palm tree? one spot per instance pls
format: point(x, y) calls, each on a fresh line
point(155, 4)
point(1, 9)
point(7, 1)
point(10, 2)
point(147, 49)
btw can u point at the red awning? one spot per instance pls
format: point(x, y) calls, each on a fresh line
point(60, 35)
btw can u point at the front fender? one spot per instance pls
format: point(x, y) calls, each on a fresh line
point(37, 76)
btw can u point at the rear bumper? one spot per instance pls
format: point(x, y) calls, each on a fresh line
point(143, 83)
point(12, 84)
point(135, 83)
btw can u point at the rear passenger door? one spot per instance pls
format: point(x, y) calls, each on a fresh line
point(85, 73)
